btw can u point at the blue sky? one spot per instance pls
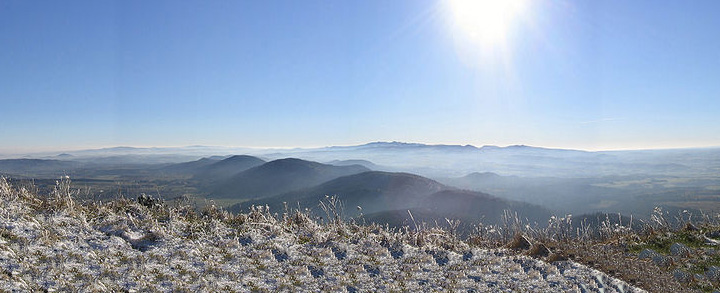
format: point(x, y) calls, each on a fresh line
point(571, 74)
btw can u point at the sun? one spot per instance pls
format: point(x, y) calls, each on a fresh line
point(486, 22)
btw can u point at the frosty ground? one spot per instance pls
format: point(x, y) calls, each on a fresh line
point(54, 243)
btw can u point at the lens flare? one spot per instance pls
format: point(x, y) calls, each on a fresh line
point(486, 22)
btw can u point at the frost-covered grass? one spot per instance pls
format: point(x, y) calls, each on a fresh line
point(53, 243)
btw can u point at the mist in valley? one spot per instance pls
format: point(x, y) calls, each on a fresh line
point(382, 181)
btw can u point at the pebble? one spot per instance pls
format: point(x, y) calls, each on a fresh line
point(647, 253)
point(679, 249)
point(713, 274)
point(682, 276)
point(662, 261)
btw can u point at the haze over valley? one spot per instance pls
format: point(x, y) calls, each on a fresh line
point(386, 179)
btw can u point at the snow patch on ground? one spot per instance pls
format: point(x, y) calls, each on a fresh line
point(73, 249)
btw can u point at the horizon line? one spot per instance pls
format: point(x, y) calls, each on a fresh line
point(309, 147)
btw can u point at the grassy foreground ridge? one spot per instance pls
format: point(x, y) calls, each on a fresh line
point(54, 242)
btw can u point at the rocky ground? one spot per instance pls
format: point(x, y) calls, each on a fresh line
point(53, 243)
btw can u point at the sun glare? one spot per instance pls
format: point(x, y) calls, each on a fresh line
point(486, 22)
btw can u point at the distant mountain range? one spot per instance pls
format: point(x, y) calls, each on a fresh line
point(204, 151)
point(436, 161)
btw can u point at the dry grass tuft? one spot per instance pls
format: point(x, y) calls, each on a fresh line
point(174, 247)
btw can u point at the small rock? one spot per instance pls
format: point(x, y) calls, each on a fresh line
point(397, 253)
point(441, 257)
point(316, 272)
point(519, 242)
point(475, 278)
point(553, 257)
point(708, 251)
point(372, 270)
point(468, 255)
point(340, 254)
point(662, 261)
point(148, 201)
point(280, 256)
point(679, 249)
point(682, 276)
point(647, 253)
point(539, 250)
point(245, 240)
point(713, 274)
